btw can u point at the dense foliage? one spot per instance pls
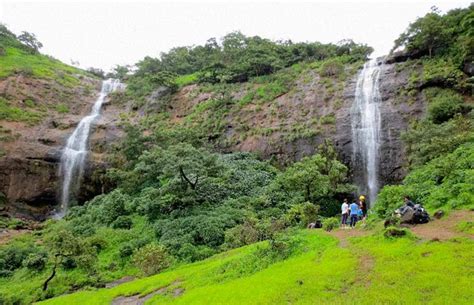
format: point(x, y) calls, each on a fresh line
point(435, 35)
point(440, 146)
point(236, 58)
point(175, 201)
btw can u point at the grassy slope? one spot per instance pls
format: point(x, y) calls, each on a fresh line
point(36, 66)
point(25, 285)
point(366, 270)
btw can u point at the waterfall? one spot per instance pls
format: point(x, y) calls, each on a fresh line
point(366, 125)
point(74, 153)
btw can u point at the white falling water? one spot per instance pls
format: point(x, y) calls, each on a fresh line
point(366, 125)
point(76, 149)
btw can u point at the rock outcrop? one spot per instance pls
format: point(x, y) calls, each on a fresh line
point(31, 156)
point(315, 100)
point(286, 129)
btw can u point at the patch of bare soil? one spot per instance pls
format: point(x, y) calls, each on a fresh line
point(343, 234)
point(119, 281)
point(444, 228)
point(6, 234)
point(172, 289)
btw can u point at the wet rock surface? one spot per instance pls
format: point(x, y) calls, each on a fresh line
point(29, 169)
point(30, 164)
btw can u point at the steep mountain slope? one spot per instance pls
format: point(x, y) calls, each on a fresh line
point(183, 190)
point(41, 101)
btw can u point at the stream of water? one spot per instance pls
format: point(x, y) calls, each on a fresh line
point(75, 152)
point(366, 125)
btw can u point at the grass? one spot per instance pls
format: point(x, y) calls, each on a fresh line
point(24, 287)
point(368, 270)
point(62, 108)
point(466, 227)
point(15, 114)
point(184, 80)
point(37, 65)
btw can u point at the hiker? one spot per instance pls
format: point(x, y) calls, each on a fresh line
point(408, 201)
point(345, 213)
point(363, 206)
point(354, 210)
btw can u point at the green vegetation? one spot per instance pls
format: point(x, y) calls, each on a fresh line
point(235, 59)
point(20, 55)
point(308, 267)
point(187, 79)
point(175, 202)
point(444, 182)
point(16, 114)
point(438, 35)
point(62, 108)
point(466, 227)
point(440, 147)
point(212, 228)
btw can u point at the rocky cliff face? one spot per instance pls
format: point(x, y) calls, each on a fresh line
point(285, 129)
point(31, 151)
point(297, 122)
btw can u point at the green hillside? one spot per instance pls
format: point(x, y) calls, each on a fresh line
point(311, 267)
point(194, 221)
point(21, 62)
point(24, 59)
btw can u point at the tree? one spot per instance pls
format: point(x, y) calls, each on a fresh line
point(120, 72)
point(30, 40)
point(97, 72)
point(317, 177)
point(428, 34)
point(64, 246)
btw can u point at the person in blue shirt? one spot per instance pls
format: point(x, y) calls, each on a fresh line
point(354, 209)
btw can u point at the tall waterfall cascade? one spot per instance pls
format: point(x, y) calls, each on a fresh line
point(366, 130)
point(74, 154)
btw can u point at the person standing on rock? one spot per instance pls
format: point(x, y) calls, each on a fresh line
point(354, 210)
point(345, 213)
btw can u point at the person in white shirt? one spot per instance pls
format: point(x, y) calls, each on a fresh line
point(345, 213)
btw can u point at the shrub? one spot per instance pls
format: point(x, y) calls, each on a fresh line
point(151, 259)
point(36, 261)
point(122, 222)
point(107, 208)
point(190, 253)
point(68, 263)
point(97, 242)
point(126, 250)
point(331, 68)
point(426, 141)
point(241, 235)
point(12, 257)
point(62, 108)
point(443, 105)
point(302, 214)
point(330, 224)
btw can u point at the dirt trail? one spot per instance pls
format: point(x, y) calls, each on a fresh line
point(344, 234)
point(173, 289)
point(437, 229)
point(444, 228)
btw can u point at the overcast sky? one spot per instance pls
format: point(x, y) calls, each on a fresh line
point(105, 33)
